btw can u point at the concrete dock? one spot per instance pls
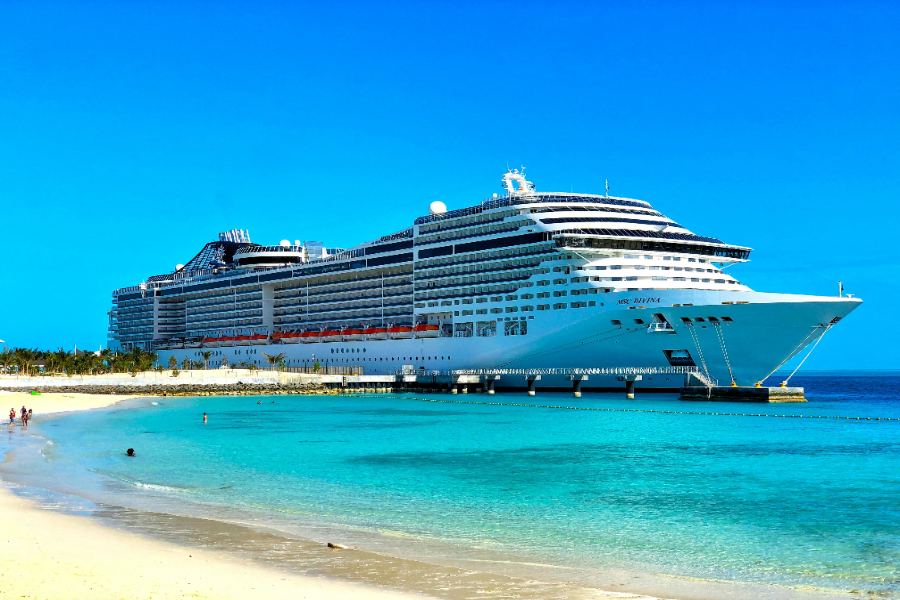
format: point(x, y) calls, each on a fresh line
point(531, 381)
point(742, 394)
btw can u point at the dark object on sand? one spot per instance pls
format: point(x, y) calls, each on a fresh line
point(338, 546)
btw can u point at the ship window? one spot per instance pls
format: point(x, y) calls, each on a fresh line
point(559, 293)
point(559, 306)
point(543, 307)
point(543, 282)
point(639, 321)
point(728, 319)
point(481, 300)
point(700, 319)
point(616, 322)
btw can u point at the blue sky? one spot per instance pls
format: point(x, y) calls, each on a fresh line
point(132, 132)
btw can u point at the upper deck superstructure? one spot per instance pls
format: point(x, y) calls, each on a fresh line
point(481, 280)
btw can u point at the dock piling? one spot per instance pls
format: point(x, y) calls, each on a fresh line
point(629, 384)
point(576, 384)
point(532, 379)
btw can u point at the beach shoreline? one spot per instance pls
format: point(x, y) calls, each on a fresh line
point(72, 557)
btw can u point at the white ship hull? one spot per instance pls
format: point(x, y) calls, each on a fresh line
point(761, 332)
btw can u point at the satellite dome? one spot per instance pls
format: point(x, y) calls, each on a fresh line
point(437, 208)
point(285, 243)
point(178, 267)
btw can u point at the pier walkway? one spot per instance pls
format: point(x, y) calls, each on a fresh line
point(460, 381)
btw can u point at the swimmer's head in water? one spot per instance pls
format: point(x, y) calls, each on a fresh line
point(130, 452)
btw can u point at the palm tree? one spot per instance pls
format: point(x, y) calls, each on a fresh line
point(275, 359)
point(206, 354)
point(173, 362)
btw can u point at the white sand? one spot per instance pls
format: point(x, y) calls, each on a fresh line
point(55, 402)
point(48, 555)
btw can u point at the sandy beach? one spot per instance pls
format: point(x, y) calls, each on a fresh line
point(64, 556)
point(44, 404)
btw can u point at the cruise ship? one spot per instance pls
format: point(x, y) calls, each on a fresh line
point(523, 280)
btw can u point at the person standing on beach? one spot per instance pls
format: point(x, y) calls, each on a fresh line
point(12, 416)
point(25, 420)
point(24, 412)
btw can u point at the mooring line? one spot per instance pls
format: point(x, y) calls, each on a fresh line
point(653, 410)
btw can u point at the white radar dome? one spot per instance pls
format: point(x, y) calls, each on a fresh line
point(179, 267)
point(437, 208)
point(285, 243)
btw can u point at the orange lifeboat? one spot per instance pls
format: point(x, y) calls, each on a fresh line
point(291, 337)
point(400, 331)
point(330, 335)
point(307, 336)
point(427, 330)
point(353, 334)
point(375, 333)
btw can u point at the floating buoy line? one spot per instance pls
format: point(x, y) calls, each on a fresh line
point(653, 410)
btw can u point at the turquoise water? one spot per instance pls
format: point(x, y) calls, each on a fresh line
point(767, 500)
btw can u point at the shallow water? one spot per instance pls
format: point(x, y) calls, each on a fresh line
point(584, 498)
